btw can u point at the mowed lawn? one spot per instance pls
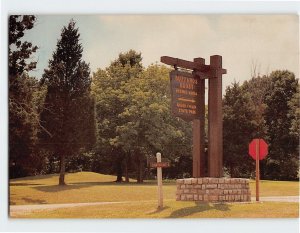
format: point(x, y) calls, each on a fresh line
point(140, 199)
point(82, 187)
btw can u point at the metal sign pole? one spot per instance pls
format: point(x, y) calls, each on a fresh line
point(159, 181)
point(257, 170)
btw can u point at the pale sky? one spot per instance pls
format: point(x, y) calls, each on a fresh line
point(269, 41)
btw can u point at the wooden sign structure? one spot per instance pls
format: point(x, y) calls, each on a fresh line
point(188, 102)
point(184, 95)
point(159, 164)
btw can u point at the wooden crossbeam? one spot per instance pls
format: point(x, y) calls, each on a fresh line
point(198, 67)
point(191, 65)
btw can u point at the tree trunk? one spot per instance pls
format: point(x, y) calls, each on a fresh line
point(141, 168)
point(62, 170)
point(138, 174)
point(119, 171)
point(126, 170)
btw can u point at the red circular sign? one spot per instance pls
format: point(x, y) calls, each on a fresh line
point(261, 146)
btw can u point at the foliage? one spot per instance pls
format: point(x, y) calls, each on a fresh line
point(68, 111)
point(19, 52)
point(270, 106)
point(282, 162)
point(239, 128)
point(257, 88)
point(294, 114)
point(108, 89)
point(133, 114)
point(148, 125)
point(23, 114)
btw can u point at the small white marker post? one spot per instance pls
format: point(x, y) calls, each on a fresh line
point(159, 181)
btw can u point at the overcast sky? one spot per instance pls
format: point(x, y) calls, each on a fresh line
point(268, 42)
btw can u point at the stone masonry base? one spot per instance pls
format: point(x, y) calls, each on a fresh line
point(209, 189)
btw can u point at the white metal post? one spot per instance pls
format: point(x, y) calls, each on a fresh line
point(159, 181)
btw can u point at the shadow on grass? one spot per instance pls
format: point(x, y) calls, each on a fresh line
point(57, 188)
point(39, 177)
point(79, 185)
point(23, 184)
point(92, 183)
point(158, 210)
point(199, 207)
point(34, 201)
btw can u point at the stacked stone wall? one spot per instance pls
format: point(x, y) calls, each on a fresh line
point(209, 189)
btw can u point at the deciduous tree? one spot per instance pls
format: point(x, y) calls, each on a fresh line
point(23, 116)
point(108, 90)
point(282, 162)
point(239, 128)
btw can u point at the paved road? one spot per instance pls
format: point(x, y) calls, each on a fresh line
point(22, 209)
point(19, 209)
point(279, 198)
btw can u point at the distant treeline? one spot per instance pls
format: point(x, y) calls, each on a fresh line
point(114, 120)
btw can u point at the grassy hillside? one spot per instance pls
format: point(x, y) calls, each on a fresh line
point(81, 187)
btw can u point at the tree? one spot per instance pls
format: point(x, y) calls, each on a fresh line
point(108, 91)
point(23, 116)
point(239, 128)
point(282, 162)
point(146, 124)
point(294, 114)
point(257, 88)
point(134, 118)
point(68, 112)
point(20, 51)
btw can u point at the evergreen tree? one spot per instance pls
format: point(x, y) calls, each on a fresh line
point(68, 112)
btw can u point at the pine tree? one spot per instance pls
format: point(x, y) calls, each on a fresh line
point(68, 113)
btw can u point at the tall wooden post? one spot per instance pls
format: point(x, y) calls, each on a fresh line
point(213, 73)
point(215, 118)
point(199, 130)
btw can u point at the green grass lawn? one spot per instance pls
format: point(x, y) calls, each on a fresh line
point(173, 209)
point(82, 187)
point(93, 187)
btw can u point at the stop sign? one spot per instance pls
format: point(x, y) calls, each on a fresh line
point(262, 148)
